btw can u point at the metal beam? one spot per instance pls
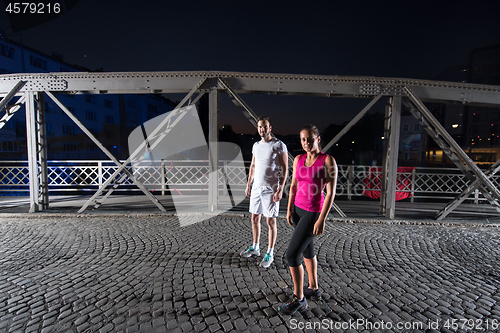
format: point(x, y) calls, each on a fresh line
point(11, 94)
point(239, 102)
point(152, 136)
point(390, 162)
point(453, 147)
point(31, 136)
point(213, 150)
point(107, 152)
point(464, 195)
point(252, 117)
point(446, 149)
point(454, 152)
point(314, 85)
point(42, 153)
point(353, 122)
point(9, 113)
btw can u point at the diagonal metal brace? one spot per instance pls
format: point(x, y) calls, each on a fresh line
point(452, 143)
point(11, 94)
point(453, 157)
point(107, 152)
point(464, 195)
point(9, 112)
point(353, 122)
point(454, 151)
point(121, 167)
point(252, 117)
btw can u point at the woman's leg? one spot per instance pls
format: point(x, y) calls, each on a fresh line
point(298, 281)
point(312, 272)
point(301, 237)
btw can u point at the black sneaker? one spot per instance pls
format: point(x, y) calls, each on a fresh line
point(308, 292)
point(293, 306)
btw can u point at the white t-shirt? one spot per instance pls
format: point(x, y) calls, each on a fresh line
point(267, 161)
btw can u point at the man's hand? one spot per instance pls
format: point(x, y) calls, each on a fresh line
point(248, 191)
point(277, 196)
point(319, 227)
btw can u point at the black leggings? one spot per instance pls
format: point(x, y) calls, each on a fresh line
point(301, 242)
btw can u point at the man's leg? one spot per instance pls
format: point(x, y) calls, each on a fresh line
point(256, 228)
point(254, 250)
point(273, 231)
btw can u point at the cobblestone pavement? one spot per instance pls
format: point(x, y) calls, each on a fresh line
point(144, 273)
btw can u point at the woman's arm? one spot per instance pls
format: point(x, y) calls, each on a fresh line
point(291, 194)
point(331, 186)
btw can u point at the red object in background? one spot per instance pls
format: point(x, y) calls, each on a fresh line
point(373, 182)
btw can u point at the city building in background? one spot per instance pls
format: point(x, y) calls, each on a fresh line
point(482, 127)
point(476, 129)
point(110, 118)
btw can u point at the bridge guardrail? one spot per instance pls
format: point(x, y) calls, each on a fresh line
point(178, 177)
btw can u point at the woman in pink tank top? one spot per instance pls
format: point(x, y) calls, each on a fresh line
point(313, 173)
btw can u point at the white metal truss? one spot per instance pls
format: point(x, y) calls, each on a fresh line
point(252, 117)
point(408, 91)
point(157, 136)
point(456, 154)
point(290, 84)
point(41, 151)
point(107, 152)
point(11, 110)
point(468, 191)
point(390, 160)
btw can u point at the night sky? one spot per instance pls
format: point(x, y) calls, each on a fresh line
point(407, 39)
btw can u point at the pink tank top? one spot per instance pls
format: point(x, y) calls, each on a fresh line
point(311, 183)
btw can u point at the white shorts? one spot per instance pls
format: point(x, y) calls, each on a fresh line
point(261, 202)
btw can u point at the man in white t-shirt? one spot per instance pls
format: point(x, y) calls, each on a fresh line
point(267, 190)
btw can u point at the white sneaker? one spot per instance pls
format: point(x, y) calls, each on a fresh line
point(250, 252)
point(267, 261)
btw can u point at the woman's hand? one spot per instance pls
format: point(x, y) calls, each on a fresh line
point(319, 227)
point(289, 217)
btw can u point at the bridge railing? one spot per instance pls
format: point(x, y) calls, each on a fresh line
point(191, 177)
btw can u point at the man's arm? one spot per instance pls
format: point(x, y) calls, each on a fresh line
point(283, 159)
point(248, 189)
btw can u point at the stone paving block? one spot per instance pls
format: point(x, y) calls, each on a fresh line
point(474, 313)
point(227, 326)
point(382, 287)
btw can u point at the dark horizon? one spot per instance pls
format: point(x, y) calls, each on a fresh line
point(403, 40)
